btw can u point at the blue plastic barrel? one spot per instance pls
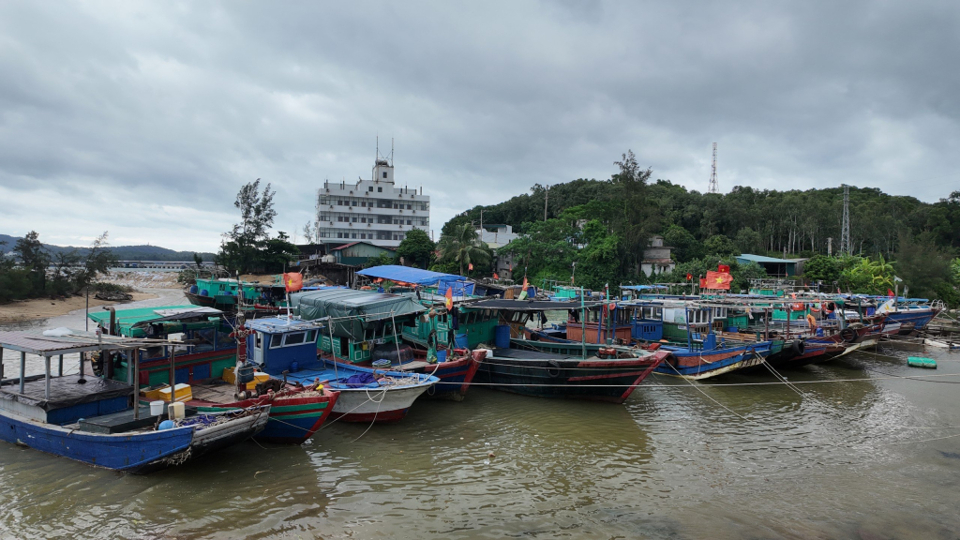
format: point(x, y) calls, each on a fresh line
point(194, 289)
point(502, 336)
point(441, 356)
point(461, 341)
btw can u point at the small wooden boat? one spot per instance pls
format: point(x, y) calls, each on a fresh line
point(296, 412)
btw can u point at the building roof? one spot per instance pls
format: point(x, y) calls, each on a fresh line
point(351, 244)
point(763, 259)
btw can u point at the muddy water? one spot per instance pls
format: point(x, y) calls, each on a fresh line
point(859, 454)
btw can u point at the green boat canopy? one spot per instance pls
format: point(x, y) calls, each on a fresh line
point(353, 311)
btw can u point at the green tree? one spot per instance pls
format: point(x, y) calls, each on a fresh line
point(748, 241)
point(719, 244)
point(382, 259)
point(241, 248)
point(685, 245)
point(862, 275)
point(463, 246)
point(34, 258)
point(923, 266)
point(417, 249)
point(822, 268)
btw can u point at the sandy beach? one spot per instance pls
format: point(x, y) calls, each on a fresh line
point(44, 308)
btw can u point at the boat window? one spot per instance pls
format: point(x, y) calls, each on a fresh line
point(204, 339)
point(276, 342)
point(312, 336)
point(293, 339)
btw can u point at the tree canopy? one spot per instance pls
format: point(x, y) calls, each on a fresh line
point(247, 247)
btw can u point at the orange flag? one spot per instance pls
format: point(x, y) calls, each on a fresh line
point(293, 282)
point(718, 280)
point(449, 298)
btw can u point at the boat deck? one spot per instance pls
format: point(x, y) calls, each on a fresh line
point(65, 391)
point(523, 354)
point(215, 393)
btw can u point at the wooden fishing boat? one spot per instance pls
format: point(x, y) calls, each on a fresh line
point(287, 349)
point(92, 421)
point(207, 349)
point(296, 412)
point(561, 370)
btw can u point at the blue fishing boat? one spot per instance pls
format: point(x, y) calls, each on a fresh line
point(286, 349)
point(92, 420)
point(204, 357)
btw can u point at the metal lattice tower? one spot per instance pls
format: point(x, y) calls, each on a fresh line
point(845, 226)
point(713, 175)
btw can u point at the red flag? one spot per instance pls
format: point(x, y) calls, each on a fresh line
point(889, 292)
point(689, 276)
point(703, 283)
point(495, 276)
point(723, 268)
point(292, 282)
point(718, 280)
point(449, 298)
point(470, 267)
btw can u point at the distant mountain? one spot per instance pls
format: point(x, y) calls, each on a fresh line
point(136, 253)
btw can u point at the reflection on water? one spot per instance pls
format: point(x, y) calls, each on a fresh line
point(855, 459)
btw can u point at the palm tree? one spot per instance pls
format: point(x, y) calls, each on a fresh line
point(463, 246)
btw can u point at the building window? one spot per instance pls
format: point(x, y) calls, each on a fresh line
point(354, 219)
point(384, 174)
point(354, 235)
point(409, 222)
point(339, 202)
point(379, 190)
point(354, 203)
point(370, 188)
point(409, 206)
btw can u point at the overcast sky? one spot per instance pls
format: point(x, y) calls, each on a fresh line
point(144, 119)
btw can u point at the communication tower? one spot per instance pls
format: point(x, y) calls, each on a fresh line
point(713, 175)
point(845, 226)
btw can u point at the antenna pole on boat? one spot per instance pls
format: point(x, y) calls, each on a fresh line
point(583, 326)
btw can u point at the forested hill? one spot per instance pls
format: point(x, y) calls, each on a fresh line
point(143, 253)
point(757, 221)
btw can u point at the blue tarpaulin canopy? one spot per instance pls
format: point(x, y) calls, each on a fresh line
point(643, 287)
point(414, 276)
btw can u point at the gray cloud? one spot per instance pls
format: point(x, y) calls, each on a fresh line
point(145, 118)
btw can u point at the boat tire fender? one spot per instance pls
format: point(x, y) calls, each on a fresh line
point(553, 369)
point(848, 335)
point(798, 347)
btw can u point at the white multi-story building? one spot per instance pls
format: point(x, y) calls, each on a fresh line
point(372, 210)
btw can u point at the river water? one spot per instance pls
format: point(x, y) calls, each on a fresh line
point(860, 454)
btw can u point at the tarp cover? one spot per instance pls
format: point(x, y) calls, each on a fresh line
point(533, 305)
point(405, 274)
point(352, 311)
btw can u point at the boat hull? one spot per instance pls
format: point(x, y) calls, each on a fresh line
point(294, 417)
point(121, 452)
point(697, 365)
point(592, 379)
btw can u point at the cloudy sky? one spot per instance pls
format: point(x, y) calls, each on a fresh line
point(144, 119)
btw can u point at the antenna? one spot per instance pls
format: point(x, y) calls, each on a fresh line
point(713, 175)
point(845, 226)
point(378, 151)
point(391, 151)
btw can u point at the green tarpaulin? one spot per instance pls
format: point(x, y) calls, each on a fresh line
point(352, 311)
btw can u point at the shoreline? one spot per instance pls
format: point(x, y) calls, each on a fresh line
point(44, 308)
